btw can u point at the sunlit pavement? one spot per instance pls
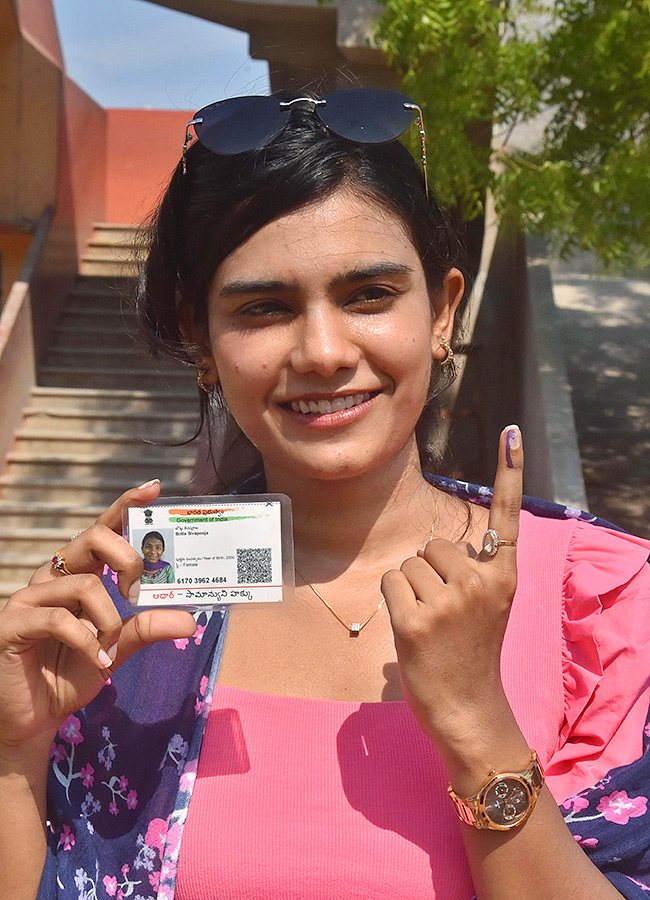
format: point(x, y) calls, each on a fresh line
point(606, 331)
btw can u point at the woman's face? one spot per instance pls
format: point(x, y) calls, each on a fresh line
point(322, 333)
point(152, 550)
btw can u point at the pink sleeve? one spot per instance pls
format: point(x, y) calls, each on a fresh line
point(606, 657)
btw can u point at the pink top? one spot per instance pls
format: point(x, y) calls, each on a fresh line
point(324, 800)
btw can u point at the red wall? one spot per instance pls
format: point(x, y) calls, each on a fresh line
point(143, 146)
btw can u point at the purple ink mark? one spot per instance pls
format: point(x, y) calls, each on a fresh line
point(512, 442)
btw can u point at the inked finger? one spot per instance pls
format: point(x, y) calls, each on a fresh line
point(508, 490)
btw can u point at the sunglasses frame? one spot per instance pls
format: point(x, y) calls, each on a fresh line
point(197, 119)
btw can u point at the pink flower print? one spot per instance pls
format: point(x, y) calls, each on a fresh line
point(112, 808)
point(110, 883)
point(70, 731)
point(157, 834)
point(586, 842)
point(198, 634)
point(126, 868)
point(57, 752)
point(173, 839)
point(203, 686)
point(66, 840)
point(181, 643)
point(132, 799)
point(188, 777)
point(575, 804)
point(124, 782)
point(619, 808)
point(88, 775)
point(107, 571)
point(198, 706)
point(154, 880)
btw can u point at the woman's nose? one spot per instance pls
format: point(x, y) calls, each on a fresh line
point(324, 343)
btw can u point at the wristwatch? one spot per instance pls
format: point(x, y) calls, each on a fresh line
point(504, 801)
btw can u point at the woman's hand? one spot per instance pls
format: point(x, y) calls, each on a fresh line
point(449, 613)
point(61, 636)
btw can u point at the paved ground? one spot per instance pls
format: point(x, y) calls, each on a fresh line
point(606, 332)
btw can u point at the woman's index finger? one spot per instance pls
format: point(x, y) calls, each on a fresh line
point(508, 486)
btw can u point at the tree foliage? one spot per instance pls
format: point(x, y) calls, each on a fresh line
point(576, 72)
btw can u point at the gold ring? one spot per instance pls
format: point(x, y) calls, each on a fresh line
point(59, 563)
point(491, 542)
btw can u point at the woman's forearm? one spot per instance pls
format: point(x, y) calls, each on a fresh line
point(540, 859)
point(23, 842)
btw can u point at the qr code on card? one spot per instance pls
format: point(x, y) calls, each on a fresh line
point(254, 565)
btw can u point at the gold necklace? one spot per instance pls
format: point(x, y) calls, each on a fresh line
point(355, 628)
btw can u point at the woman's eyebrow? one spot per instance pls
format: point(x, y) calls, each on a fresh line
point(274, 285)
point(256, 287)
point(377, 270)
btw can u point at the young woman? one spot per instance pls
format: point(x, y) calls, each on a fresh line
point(156, 570)
point(305, 750)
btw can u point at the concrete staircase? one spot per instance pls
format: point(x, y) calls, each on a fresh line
point(90, 429)
point(112, 250)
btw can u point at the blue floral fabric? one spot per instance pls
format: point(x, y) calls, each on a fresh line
point(122, 769)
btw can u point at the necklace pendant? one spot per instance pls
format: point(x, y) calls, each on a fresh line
point(355, 628)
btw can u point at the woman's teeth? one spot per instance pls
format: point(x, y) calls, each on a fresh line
point(321, 407)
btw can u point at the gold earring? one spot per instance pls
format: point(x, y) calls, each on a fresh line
point(209, 389)
point(449, 353)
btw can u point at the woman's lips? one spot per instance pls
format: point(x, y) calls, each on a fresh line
point(321, 413)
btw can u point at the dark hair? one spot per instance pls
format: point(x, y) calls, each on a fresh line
point(221, 201)
point(153, 534)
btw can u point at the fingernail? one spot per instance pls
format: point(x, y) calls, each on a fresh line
point(112, 651)
point(149, 483)
point(134, 590)
point(104, 659)
point(513, 442)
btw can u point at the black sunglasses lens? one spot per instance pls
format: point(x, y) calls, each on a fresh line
point(368, 116)
point(240, 124)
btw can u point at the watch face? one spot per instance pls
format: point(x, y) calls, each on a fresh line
point(507, 801)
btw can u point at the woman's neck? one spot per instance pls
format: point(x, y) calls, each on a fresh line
point(385, 514)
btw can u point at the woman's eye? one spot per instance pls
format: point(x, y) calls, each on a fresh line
point(374, 298)
point(264, 309)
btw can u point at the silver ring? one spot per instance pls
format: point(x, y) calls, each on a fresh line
point(491, 542)
point(75, 535)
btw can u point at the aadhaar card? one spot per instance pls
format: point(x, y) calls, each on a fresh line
point(213, 551)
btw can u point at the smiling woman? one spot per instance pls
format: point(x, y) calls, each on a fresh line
point(449, 672)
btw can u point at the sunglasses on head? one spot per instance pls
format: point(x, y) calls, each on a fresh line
point(364, 116)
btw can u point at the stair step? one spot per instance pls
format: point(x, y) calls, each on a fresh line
point(36, 542)
point(104, 401)
point(172, 426)
point(99, 251)
point(135, 469)
point(69, 376)
point(91, 333)
point(61, 443)
point(48, 515)
point(94, 304)
point(108, 268)
point(125, 354)
point(101, 491)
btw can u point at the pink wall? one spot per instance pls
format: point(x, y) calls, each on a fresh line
point(143, 147)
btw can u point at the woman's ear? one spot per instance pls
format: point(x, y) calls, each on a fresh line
point(445, 305)
point(207, 373)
